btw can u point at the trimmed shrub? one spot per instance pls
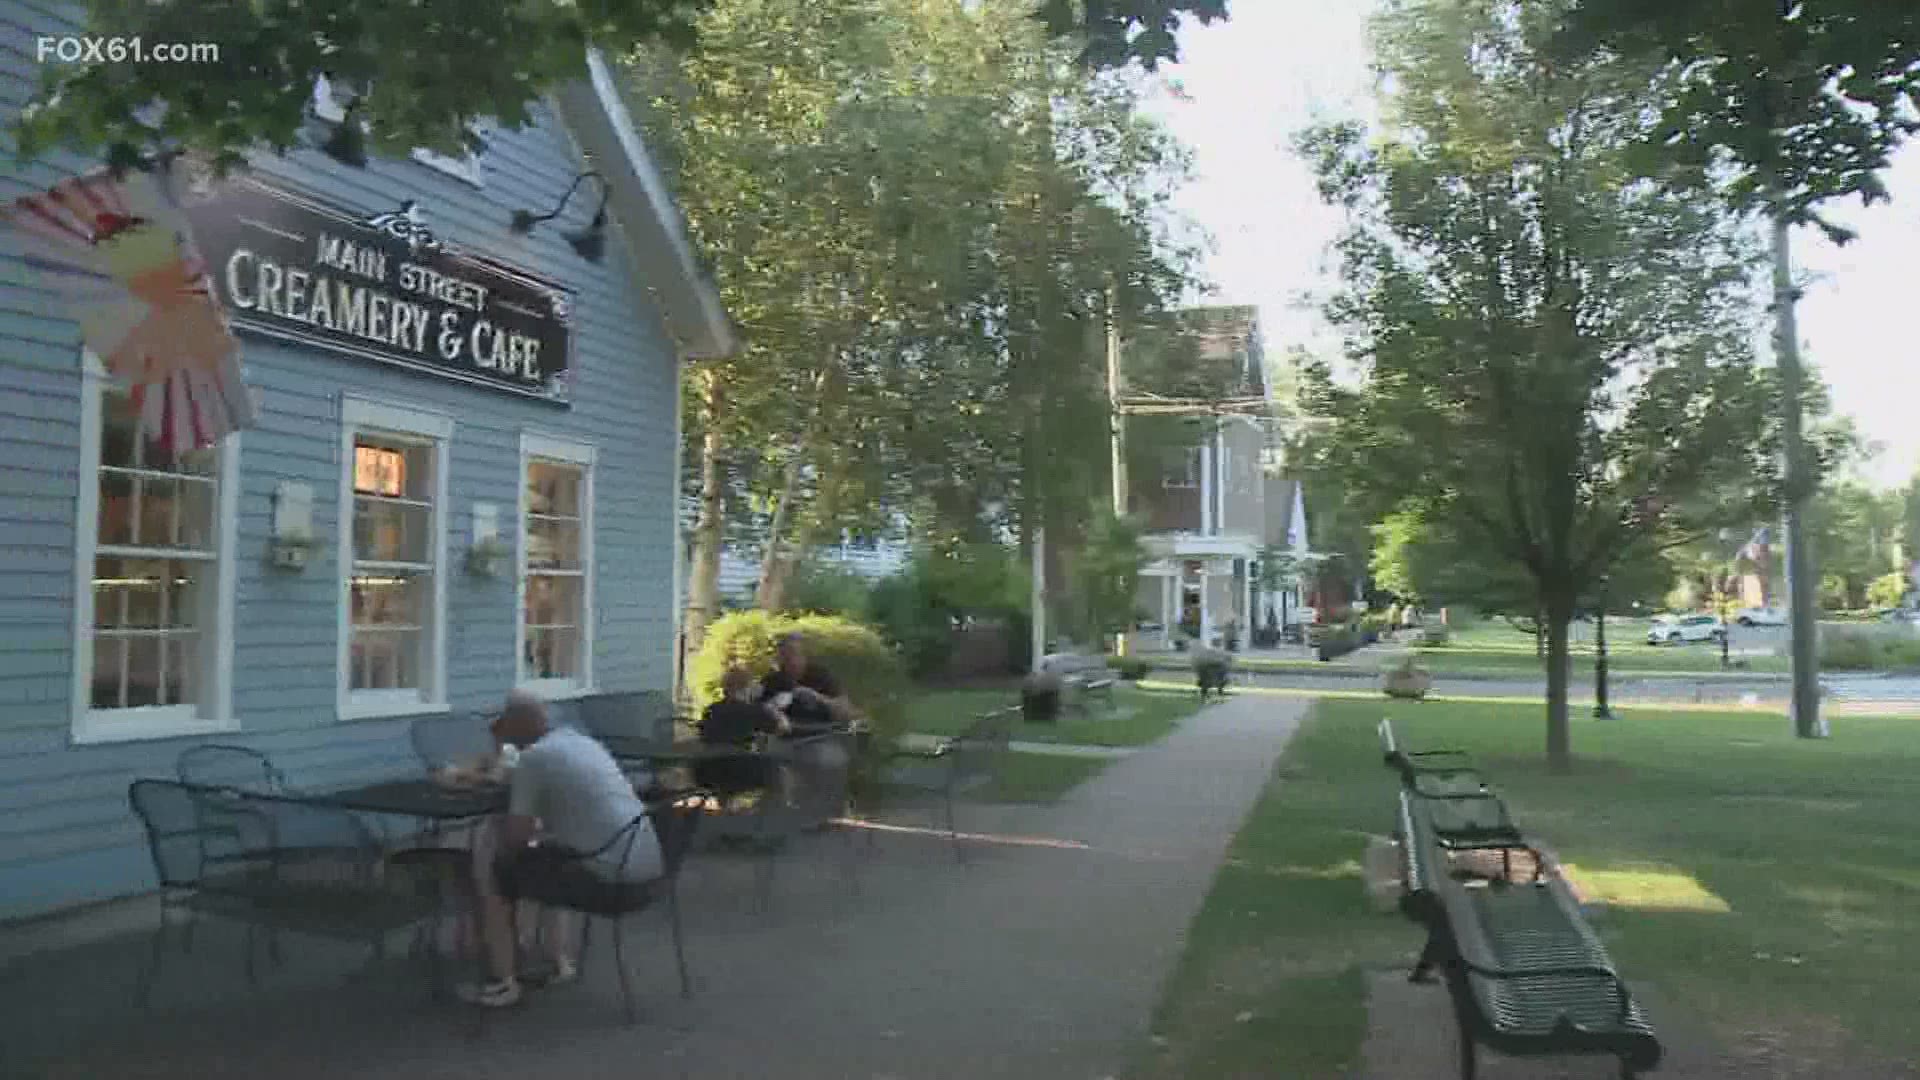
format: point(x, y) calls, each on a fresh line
point(867, 667)
point(1130, 668)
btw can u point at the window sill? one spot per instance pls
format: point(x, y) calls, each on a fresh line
point(557, 689)
point(107, 726)
point(390, 708)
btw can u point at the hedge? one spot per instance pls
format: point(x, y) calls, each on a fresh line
point(868, 668)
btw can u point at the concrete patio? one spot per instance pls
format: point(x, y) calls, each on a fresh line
point(1042, 957)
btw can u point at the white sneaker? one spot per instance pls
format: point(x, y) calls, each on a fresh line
point(496, 994)
point(562, 972)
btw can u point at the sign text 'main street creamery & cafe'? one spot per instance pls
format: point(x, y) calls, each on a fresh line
point(381, 287)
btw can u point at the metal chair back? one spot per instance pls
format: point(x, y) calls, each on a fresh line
point(452, 740)
point(224, 765)
point(643, 714)
point(182, 838)
point(979, 750)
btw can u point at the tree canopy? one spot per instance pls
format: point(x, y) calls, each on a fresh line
point(1817, 95)
point(429, 72)
point(918, 215)
point(1554, 359)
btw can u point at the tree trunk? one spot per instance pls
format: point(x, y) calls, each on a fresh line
point(703, 585)
point(1559, 667)
point(767, 595)
point(776, 562)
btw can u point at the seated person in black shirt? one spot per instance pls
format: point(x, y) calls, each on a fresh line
point(808, 693)
point(733, 721)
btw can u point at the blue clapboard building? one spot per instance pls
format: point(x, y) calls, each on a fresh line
point(461, 478)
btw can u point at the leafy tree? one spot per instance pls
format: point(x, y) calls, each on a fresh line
point(1856, 529)
point(416, 63)
point(919, 238)
point(1888, 590)
point(1107, 576)
point(1553, 359)
point(1779, 108)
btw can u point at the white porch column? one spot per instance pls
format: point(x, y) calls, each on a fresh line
point(1219, 479)
point(1206, 605)
point(1206, 490)
point(1169, 607)
point(1253, 614)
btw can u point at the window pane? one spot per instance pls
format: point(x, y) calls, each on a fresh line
point(395, 469)
point(174, 513)
point(390, 532)
point(388, 601)
point(554, 489)
point(553, 654)
point(117, 429)
point(145, 594)
point(182, 660)
point(121, 446)
point(116, 508)
point(553, 601)
point(385, 659)
point(143, 671)
point(108, 653)
point(553, 545)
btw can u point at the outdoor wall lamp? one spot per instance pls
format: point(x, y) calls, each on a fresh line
point(589, 243)
point(293, 537)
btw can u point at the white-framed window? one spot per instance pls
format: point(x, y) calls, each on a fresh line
point(554, 637)
point(154, 577)
point(1184, 470)
point(393, 559)
point(330, 105)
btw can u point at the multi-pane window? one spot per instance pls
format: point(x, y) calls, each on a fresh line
point(153, 576)
point(555, 553)
point(154, 567)
point(393, 506)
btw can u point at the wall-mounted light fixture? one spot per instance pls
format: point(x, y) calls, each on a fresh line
point(589, 243)
point(292, 525)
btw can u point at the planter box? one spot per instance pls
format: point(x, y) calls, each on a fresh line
point(1411, 684)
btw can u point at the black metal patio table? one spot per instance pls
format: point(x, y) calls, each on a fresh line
point(634, 748)
point(420, 797)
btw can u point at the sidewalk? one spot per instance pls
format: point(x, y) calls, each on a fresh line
point(1042, 957)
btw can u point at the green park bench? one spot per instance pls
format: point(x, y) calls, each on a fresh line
point(1526, 973)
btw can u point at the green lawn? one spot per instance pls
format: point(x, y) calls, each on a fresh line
point(1142, 714)
point(1763, 881)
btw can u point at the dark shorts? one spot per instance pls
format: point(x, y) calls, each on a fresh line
point(733, 776)
point(553, 875)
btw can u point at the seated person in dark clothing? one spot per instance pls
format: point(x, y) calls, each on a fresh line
point(733, 721)
point(808, 693)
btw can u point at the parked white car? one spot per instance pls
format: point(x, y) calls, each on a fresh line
point(1675, 629)
point(1761, 616)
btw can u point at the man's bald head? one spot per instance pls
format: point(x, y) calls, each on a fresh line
point(523, 720)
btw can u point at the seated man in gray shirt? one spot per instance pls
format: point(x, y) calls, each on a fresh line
point(569, 801)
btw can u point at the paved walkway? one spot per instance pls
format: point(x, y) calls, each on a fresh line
point(916, 740)
point(1043, 957)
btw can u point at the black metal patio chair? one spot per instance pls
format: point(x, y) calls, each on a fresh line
point(810, 796)
point(293, 832)
point(673, 820)
point(215, 854)
point(965, 762)
point(459, 739)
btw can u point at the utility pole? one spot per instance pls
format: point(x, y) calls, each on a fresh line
point(1118, 437)
point(1039, 620)
point(1805, 708)
point(1601, 711)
